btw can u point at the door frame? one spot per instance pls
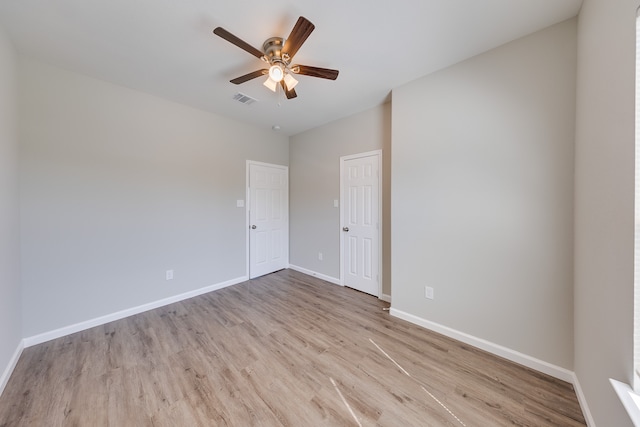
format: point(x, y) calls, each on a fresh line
point(247, 209)
point(343, 159)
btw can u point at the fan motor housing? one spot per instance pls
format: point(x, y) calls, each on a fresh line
point(272, 49)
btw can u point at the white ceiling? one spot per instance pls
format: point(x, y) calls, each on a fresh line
point(167, 48)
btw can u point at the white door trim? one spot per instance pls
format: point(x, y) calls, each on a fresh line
point(343, 159)
point(247, 209)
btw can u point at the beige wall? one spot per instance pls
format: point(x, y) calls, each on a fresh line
point(315, 184)
point(118, 186)
point(604, 204)
point(10, 315)
point(482, 193)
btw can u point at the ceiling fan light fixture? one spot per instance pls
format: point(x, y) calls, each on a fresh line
point(271, 84)
point(278, 53)
point(290, 81)
point(276, 72)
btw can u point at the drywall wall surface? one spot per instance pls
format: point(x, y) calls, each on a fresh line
point(315, 184)
point(604, 204)
point(10, 316)
point(482, 195)
point(118, 186)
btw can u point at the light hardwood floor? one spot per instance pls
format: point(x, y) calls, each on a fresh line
point(285, 349)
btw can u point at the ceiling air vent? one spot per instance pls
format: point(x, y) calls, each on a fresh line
point(245, 99)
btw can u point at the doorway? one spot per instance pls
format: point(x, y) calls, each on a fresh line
point(267, 218)
point(360, 215)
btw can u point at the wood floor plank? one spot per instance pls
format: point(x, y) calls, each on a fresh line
point(285, 349)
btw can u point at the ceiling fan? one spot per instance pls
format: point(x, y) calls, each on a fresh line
point(278, 53)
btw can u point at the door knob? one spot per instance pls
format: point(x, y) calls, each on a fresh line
point(345, 228)
point(253, 227)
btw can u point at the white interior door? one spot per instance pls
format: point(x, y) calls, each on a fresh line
point(268, 218)
point(360, 194)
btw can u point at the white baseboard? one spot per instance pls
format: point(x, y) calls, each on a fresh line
point(504, 352)
point(385, 298)
point(4, 379)
point(582, 400)
point(316, 274)
point(67, 330)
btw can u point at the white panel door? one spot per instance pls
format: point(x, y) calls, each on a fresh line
point(268, 219)
point(361, 223)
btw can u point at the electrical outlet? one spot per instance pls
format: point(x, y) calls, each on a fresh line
point(320, 256)
point(169, 274)
point(428, 292)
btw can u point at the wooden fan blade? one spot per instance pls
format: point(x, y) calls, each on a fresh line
point(249, 76)
point(290, 93)
point(221, 32)
point(323, 73)
point(299, 34)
